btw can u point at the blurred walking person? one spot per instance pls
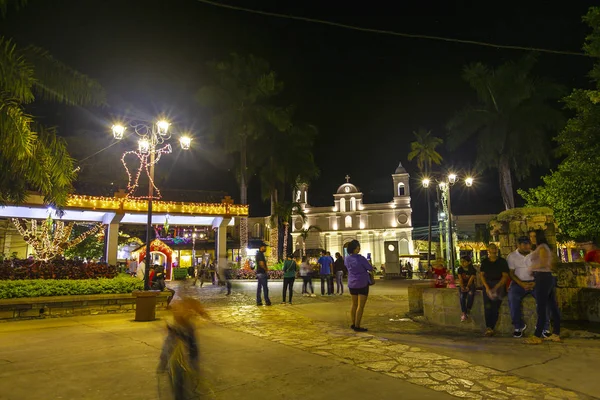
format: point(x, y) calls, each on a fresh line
point(358, 283)
point(179, 358)
point(306, 274)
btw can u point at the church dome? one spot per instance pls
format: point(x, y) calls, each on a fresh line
point(347, 188)
point(400, 169)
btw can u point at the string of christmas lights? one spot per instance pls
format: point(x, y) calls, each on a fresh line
point(144, 157)
point(49, 238)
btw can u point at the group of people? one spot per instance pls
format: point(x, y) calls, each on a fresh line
point(529, 270)
point(357, 268)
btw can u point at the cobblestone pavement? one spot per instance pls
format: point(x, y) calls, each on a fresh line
point(456, 377)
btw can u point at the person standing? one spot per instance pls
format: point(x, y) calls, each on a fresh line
point(466, 285)
point(541, 261)
point(141, 270)
point(261, 276)
point(358, 283)
point(306, 274)
point(325, 271)
point(289, 276)
point(331, 276)
point(522, 284)
point(339, 268)
point(494, 274)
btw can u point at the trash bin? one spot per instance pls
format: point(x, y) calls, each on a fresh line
point(145, 305)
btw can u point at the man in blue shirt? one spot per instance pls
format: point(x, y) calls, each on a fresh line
point(325, 263)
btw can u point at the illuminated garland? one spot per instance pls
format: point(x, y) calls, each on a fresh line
point(51, 238)
point(145, 164)
point(124, 204)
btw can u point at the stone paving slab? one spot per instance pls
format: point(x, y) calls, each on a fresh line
point(441, 373)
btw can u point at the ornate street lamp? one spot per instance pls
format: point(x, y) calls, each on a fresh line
point(152, 144)
point(445, 183)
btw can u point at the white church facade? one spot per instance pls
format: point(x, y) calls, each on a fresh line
point(376, 226)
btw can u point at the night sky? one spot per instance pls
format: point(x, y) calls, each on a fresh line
point(365, 92)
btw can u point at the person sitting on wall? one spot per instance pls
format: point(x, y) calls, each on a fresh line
point(439, 273)
point(158, 282)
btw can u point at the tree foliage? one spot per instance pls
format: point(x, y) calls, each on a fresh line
point(424, 150)
point(573, 189)
point(514, 113)
point(32, 156)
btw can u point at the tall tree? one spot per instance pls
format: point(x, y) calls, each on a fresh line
point(573, 188)
point(283, 215)
point(32, 156)
point(511, 120)
point(424, 150)
point(240, 98)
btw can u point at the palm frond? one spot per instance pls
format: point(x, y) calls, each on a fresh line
point(16, 74)
point(55, 81)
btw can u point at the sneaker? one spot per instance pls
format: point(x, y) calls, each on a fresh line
point(546, 334)
point(268, 304)
point(552, 338)
point(489, 332)
point(283, 303)
point(259, 304)
point(463, 318)
point(360, 329)
point(352, 327)
point(518, 333)
point(533, 340)
point(313, 295)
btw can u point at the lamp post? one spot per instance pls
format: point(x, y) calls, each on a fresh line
point(445, 184)
point(151, 137)
point(426, 186)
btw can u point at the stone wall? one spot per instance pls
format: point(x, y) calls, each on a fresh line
point(442, 307)
point(66, 306)
point(415, 296)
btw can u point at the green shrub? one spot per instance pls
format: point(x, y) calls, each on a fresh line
point(65, 287)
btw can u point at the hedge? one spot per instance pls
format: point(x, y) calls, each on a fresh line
point(56, 269)
point(50, 287)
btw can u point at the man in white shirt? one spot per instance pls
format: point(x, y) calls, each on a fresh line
point(141, 270)
point(522, 283)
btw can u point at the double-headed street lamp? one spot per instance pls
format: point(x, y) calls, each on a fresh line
point(152, 137)
point(445, 183)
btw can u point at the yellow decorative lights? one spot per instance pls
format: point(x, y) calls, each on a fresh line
point(123, 204)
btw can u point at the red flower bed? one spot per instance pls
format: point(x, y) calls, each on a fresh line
point(56, 269)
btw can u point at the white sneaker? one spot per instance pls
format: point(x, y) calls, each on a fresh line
point(313, 295)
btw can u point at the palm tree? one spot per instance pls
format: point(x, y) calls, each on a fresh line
point(32, 156)
point(510, 121)
point(283, 214)
point(239, 98)
point(423, 149)
point(305, 233)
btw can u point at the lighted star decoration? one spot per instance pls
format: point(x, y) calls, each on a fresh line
point(143, 153)
point(51, 238)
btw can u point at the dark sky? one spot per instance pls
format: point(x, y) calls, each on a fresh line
point(365, 92)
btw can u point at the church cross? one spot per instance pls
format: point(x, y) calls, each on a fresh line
point(347, 178)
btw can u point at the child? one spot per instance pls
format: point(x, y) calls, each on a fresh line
point(439, 273)
point(466, 284)
point(179, 357)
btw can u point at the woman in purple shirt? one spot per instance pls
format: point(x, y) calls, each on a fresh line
point(358, 283)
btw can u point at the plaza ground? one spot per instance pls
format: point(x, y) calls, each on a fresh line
point(304, 351)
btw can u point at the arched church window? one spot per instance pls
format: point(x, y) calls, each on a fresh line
point(298, 196)
point(352, 204)
point(343, 205)
point(401, 189)
point(348, 221)
point(256, 231)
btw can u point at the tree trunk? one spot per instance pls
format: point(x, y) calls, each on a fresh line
point(506, 186)
point(243, 200)
point(274, 240)
point(285, 238)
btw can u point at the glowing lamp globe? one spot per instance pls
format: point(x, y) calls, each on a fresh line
point(118, 131)
point(163, 127)
point(452, 178)
point(144, 145)
point(185, 142)
point(426, 183)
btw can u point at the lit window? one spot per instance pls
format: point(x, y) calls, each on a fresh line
point(343, 205)
point(348, 222)
point(401, 189)
point(352, 204)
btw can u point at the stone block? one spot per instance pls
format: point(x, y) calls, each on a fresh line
point(61, 311)
point(415, 297)
point(590, 302)
point(24, 313)
point(112, 307)
point(7, 314)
